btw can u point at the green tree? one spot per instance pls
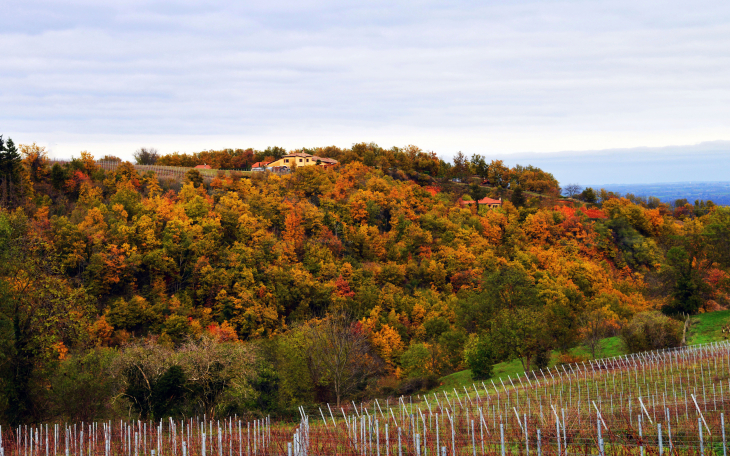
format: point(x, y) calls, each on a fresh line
point(479, 166)
point(82, 387)
point(717, 236)
point(589, 196)
point(479, 357)
point(415, 361)
point(518, 197)
point(41, 315)
point(477, 192)
point(193, 176)
point(511, 287)
point(59, 176)
point(688, 289)
point(521, 333)
point(9, 161)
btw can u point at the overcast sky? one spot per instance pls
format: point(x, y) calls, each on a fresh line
point(485, 77)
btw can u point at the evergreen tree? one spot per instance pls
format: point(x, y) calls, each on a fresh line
point(9, 161)
point(518, 197)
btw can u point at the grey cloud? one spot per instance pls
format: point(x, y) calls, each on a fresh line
point(472, 76)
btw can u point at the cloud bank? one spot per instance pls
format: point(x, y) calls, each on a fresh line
point(484, 77)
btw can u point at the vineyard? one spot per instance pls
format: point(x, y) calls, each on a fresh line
point(176, 173)
point(169, 172)
point(669, 401)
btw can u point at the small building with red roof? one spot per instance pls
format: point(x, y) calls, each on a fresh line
point(261, 164)
point(489, 202)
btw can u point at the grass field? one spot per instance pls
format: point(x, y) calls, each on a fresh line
point(707, 327)
point(703, 328)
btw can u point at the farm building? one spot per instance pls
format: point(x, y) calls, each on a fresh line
point(302, 159)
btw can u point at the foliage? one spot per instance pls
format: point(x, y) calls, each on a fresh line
point(479, 357)
point(200, 377)
point(266, 265)
point(651, 331)
point(146, 156)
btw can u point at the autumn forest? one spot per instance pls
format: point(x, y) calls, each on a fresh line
point(127, 292)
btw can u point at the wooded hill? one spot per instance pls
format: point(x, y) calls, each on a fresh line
point(121, 293)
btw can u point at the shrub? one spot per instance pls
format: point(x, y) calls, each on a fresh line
point(413, 385)
point(82, 387)
point(479, 357)
point(651, 331)
point(568, 358)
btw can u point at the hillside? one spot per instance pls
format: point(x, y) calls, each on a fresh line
point(373, 278)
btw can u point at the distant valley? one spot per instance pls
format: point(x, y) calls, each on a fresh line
point(717, 192)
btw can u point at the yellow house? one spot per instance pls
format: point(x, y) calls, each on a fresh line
point(301, 159)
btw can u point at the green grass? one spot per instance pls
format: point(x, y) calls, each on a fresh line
point(704, 328)
point(707, 327)
point(610, 346)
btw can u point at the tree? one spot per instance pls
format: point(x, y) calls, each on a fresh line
point(9, 169)
point(511, 287)
point(499, 175)
point(196, 378)
point(717, 234)
point(460, 170)
point(194, 176)
point(59, 176)
point(415, 361)
point(9, 161)
point(479, 166)
point(35, 159)
point(477, 192)
point(518, 197)
point(479, 357)
point(338, 354)
point(688, 287)
point(589, 195)
point(598, 321)
point(521, 333)
point(651, 331)
point(146, 156)
point(572, 189)
point(40, 315)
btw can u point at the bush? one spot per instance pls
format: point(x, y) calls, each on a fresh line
point(651, 331)
point(82, 387)
point(413, 385)
point(568, 358)
point(479, 357)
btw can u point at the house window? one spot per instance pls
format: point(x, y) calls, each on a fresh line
point(286, 160)
point(307, 160)
point(300, 160)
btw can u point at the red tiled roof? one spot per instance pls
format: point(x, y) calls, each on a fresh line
point(203, 167)
point(260, 164)
point(487, 200)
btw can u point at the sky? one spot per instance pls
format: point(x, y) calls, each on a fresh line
point(531, 78)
